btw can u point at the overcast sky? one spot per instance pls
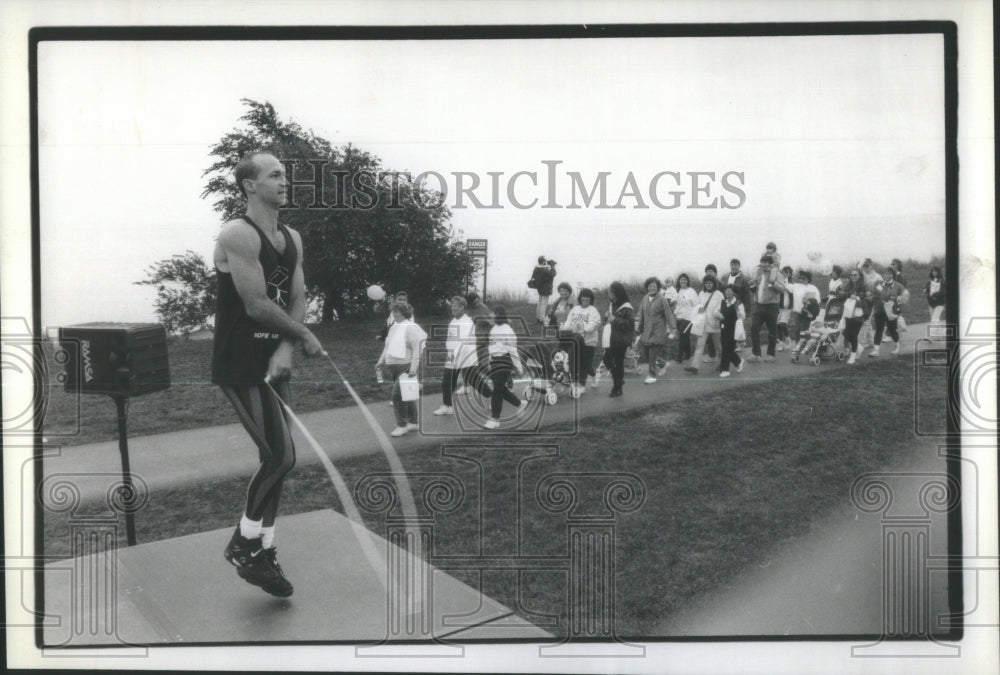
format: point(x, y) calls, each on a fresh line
point(839, 142)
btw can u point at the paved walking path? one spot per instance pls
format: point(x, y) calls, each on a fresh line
point(177, 458)
point(828, 581)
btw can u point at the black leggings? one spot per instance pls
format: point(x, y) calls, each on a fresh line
point(500, 372)
point(884, 324)
point(471, 376)
point(614, 359)
point(262, 416)
point(684, 343)
point(729, 355)
point(851, 329)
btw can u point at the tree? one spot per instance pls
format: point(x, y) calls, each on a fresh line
point(379, 229)
point(185, 292)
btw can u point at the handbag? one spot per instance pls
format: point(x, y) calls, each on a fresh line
point(698, 322)
point(532, 283)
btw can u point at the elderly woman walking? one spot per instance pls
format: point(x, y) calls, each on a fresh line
point(657, 324)
point(401, 355)
point(461, 358)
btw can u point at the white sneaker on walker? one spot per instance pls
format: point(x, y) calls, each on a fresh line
point(461, 391)
point(649, 380)
point(521, 408)
point(445, 410)
point(492, 424)
point(895, 350)
point(412, 426)
point(399, 431)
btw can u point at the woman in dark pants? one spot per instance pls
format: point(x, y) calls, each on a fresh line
point(622, 319)
point(687, 303)
point(855, 313)
point(732, 312)
point(504, 360)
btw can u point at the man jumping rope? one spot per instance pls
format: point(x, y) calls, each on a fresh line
point(258, 323)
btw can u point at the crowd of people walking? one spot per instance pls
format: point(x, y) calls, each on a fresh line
point(673, 322)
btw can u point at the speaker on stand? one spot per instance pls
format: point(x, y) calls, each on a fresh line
point(119, 360)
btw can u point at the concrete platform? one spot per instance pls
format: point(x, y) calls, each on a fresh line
point(183, 591)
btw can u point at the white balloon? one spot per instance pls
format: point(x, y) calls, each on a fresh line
point(375, 292)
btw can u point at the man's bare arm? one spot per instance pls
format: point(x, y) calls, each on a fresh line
point(241, 247)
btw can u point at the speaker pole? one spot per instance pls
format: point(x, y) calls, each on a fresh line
point(121, 402)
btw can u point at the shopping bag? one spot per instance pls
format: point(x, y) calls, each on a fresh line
point(698, 324)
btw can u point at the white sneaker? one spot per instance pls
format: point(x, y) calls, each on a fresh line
point(521, 408)
point(780, 347)
point(412, 426)
point(895, 350)
point(852, 358)
point(399, 431)
point(461, 391)
point(724, 373)
point(874, 353)
point(739, 368)
point(662, 371)
point(445, 410)
point(492, 424)
point(649, 380)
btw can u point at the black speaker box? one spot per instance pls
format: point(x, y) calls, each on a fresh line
point(117, 359)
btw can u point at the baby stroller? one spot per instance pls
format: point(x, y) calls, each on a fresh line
point(549, 363)
point(820, 341)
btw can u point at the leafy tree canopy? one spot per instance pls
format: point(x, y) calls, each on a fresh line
point(369, 225)
point(185, 292)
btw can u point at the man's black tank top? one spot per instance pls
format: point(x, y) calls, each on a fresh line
point(243, 347)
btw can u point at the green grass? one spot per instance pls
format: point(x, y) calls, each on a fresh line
point(192, 401)
point(727, 476)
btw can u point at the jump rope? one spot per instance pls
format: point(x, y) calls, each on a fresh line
point(375, 559)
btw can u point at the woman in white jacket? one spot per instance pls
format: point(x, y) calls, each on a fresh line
point(503, 359)
point(684, 310)
point(462, 359)
point(585, 321)
point(709, 305)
